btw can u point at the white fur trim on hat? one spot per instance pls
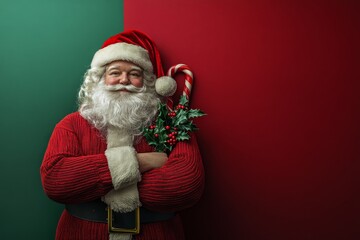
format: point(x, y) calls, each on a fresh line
point(165, 86)
point(123, 51)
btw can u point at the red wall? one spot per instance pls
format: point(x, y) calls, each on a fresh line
point(279, 81)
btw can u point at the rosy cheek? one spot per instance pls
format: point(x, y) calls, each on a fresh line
point(137, 83)
point(109, 81)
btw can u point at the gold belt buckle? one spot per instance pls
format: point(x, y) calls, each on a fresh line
point(135, 230)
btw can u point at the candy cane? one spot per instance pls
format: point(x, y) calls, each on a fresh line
point(188, 80)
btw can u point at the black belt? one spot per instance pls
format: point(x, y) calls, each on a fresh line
point(97, 211)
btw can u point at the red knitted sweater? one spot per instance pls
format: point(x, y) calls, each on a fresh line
point(75, 170)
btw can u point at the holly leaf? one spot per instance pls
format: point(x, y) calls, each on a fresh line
point(160, 148)
point(183, 100)
point(157, 134)
point(162, 111)
point(194, 113)
point(185, 127)
point(181, 117)
point(152, 143)
point(163, 137)
point(182, 136)
point(168, 147)
point(193, 127)
point(159, 126)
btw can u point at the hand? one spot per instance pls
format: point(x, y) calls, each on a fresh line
point(151, 160)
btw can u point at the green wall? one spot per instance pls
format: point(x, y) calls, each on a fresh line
point(45, 48)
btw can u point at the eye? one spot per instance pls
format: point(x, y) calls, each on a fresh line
point(135, 74)
point(114, 73)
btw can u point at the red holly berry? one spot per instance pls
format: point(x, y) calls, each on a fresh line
point(167, 127)
point(181, 106)
point(156, 135)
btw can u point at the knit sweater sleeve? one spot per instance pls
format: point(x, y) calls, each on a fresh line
point(69, 172)
point(178, 184)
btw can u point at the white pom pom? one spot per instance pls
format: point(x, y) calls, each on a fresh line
point(165, 86)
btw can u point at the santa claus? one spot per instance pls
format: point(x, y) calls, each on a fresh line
point(98, 164)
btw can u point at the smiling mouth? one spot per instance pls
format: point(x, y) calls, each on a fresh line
point(123, 90)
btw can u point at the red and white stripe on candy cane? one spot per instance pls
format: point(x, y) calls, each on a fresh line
point(188, 80)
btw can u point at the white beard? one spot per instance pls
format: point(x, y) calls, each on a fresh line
point(130, 111)
point(121, 115)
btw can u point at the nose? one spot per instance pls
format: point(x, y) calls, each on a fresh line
point(124, 78)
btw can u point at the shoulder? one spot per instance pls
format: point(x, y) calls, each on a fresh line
point(73, 121)
point(75, 116)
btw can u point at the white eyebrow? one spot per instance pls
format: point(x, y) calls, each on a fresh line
point(132, 68)
point(136, 68)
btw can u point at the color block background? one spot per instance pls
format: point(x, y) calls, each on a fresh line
point(280, 83)
point(45, 48)
point(278, 79)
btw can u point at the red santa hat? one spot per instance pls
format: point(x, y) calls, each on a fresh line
point(138, 48)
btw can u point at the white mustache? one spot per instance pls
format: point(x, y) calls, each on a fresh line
point(118, 87)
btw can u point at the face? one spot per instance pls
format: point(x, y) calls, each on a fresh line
point(125, 73)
